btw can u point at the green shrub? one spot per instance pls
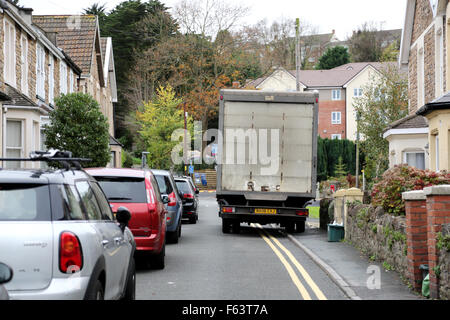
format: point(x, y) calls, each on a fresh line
point(387, 192)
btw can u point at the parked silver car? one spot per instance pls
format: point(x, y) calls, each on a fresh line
point(59, 235)
point(6, 275)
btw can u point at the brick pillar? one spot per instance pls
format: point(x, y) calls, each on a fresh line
point(438, 207)
point(416, 235)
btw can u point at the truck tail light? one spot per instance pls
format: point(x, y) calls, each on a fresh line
point(70, 253)
point(302, 212)
point(228, 210)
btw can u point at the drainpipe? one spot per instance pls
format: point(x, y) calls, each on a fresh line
point(5, 110)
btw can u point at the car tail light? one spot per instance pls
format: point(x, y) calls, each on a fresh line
point(228, 210)
point(188, 196)
point(302, 212)
point(70, 253)
point(172, 200)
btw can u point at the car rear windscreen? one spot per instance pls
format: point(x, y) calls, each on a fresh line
point(183, 186)
point(165, 187)
point(24, 202)
point(123, 189)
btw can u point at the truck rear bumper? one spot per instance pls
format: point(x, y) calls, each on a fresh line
point(262, 218)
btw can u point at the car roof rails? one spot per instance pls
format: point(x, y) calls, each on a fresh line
point(53, 155)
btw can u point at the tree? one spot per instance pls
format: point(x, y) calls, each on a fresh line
point(384, 100)
point(333, 57)
point(340, 169)
point(134, 27)
point(365, 45)
point(78, 125)
point(97, 10)
point(158, 119)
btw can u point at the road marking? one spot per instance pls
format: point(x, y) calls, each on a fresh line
point(299, 267)
point(319, 294)
point(303, 292)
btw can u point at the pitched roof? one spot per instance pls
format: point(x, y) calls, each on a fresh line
point(440, 103)
point(410, 121)
point(74, 34)
point(336, 77)
point(16, 98)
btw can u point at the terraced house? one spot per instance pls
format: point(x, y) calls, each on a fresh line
point(422, 138)
point(42, 57)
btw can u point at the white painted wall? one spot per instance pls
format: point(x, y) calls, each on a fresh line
point(401, 143)
point(280, 80)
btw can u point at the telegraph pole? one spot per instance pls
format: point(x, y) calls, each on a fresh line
point(185, 139)
point(357, 149)
point(297, 53)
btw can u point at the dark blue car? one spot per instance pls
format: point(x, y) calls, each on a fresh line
point(168, 188)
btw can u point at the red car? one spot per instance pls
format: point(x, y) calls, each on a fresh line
point(138, 191)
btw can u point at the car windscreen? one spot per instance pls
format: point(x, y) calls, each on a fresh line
point(183, 186)
point(123, 189)
point(24, 202)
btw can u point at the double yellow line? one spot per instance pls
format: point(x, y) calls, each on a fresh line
point(270, 240)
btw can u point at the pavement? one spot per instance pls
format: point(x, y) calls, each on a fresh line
point(357, 276)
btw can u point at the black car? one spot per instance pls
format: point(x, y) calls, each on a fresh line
point(190, 200)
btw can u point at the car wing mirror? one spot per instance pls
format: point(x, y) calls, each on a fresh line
point(196, 191)
point(123, 217)
point(6, 273)
point(165, 199)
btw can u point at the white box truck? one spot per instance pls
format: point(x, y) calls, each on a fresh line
point(267, 157)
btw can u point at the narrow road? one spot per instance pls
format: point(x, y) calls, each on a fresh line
point(257, 264)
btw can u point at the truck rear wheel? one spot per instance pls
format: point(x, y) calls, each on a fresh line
point(300, 227)
point(290, 227)
point(226, 225)
point(236, 226)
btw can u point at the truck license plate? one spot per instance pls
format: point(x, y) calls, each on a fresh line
point(266, 211)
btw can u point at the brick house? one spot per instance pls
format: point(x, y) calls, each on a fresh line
point(338, 88)
point(33, 71)
point(79, 37)
point(423, 54)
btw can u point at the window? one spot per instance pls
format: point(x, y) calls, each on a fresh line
point(336, 117)
point(51, 81)
point(10, 53)
point(336, 136)
point(357, 92)
point(104, 205)
point(155, 188)
point(24, 202)
point(336, 94)
point(63, 77)
point(40, 71)
point(123, 189)
point(71, 202)
point(112, 161)
point(415, 159)
point(14, 142)
point(24, 64)
point(165, 187)
point(90, 202)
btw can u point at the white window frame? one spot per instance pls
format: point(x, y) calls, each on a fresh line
point(22, 140)
point(24, 63)
point(9, 52)
point(357, 92)
point(336, 94)
point(405, 153)
point(71, 89)
point(63, 77)
point(336, 136)
point(40, 71)
point(51, 79)
point(336, 117)
point(437, 152)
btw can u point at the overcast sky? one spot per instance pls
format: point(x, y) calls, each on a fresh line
point(342, 16)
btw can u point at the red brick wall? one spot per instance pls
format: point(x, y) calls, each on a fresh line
point(438, 207)
point(416, 237)
point(325, 110)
